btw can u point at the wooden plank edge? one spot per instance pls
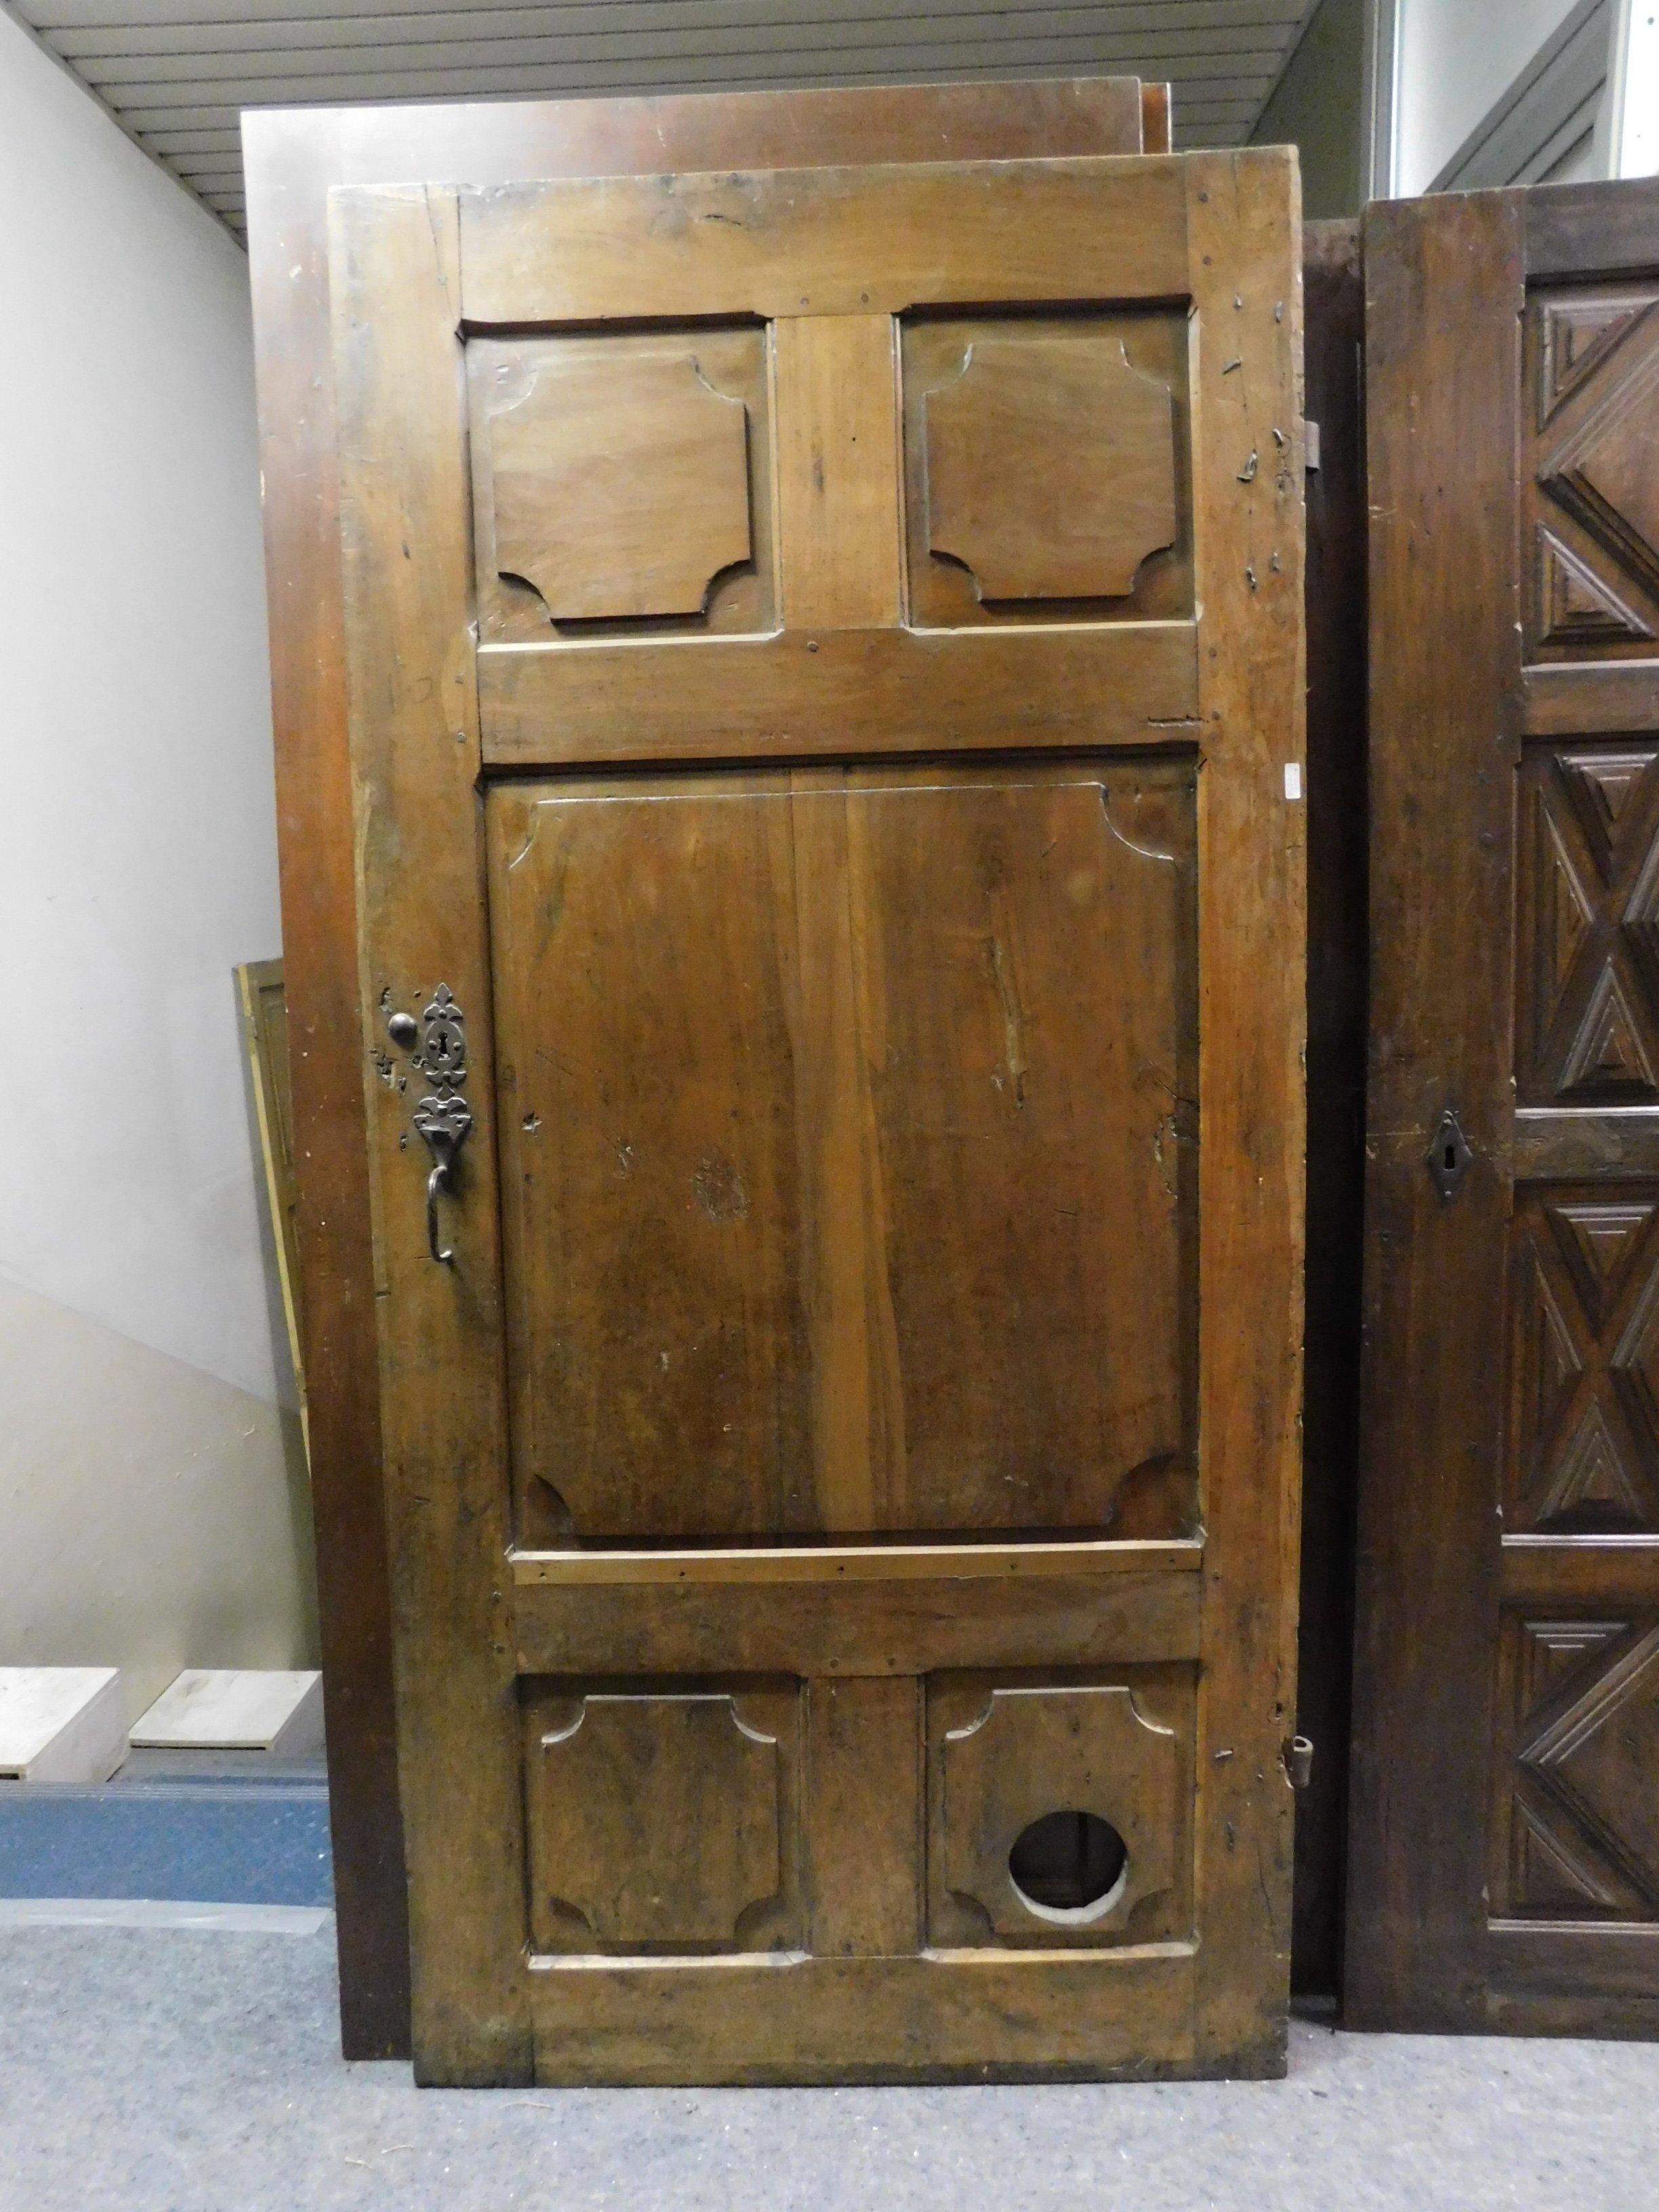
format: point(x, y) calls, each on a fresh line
point(1589, 698)
point(1124, 1956)
point(1577, 1571)
point(855, 1563)
point(790, 692)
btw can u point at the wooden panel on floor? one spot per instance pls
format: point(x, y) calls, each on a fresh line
point(1247, 433)
point(425, 956)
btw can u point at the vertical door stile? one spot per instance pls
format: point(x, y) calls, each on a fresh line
point(1248, 500)
point(837, 414)
point(423, 943)
point(839, 551)
point(1443, 280)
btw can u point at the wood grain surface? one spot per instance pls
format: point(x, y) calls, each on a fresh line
point(826, 1125)
point(805, 1126)
point(422, 924)
point(417, 757)
point(1505, 1864)
point(293, 159)
point(1442, 395)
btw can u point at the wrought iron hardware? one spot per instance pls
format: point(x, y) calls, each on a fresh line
point(443, 1123)
point(1449, 1155)
point(443, 1117)
point(1298, 1761)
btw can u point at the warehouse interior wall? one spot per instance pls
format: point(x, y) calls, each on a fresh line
point(1317, 106)
point(152, 1481)
point(1458, 62)
point(151, 1471)
point(1475, 95)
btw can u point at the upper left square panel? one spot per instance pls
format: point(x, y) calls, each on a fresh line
point(622, 485)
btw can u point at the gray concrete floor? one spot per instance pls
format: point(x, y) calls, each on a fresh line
point(155, 2069)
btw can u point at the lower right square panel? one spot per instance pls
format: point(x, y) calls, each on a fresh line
point(1059, 1808)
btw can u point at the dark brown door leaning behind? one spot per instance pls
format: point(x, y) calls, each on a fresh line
point(1335, 312)
point(293, 159)
point(825, 657)
point(1504, 1860)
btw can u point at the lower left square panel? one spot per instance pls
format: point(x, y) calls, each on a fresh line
point(664, 1818)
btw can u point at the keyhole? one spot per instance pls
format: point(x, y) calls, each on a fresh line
point(1449, 1155)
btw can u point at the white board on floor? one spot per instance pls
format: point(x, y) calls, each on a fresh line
point(61, 1724)
point(237, 1709)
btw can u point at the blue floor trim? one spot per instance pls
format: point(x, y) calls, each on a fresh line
point(230, 1840)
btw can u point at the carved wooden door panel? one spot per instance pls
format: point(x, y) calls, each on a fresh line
point(826, 660)
point(1504, 1867)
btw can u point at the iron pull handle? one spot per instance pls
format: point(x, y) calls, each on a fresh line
point(437, 1181)
point(443, 1124)
point(443, 1117)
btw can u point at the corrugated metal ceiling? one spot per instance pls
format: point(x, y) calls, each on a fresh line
point(177, 72)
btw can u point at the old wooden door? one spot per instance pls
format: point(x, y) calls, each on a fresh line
point(825, 670)
point(1504, 1854)
point(293, 159)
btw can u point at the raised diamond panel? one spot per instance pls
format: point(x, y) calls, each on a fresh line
point(1581, 1724)
point(1592, 481)
point(1575, 607)
point(1583, 1453)
point(1588, 999)
point(1575, 335)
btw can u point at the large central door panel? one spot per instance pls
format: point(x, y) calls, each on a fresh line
point(835, 1203)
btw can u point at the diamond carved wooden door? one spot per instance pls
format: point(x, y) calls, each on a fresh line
point(826, 656)
point(1504, 1867)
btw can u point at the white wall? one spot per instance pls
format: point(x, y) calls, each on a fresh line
point(1454, 58)
point(1636, 75)
point(138, 863)
point(154, 1517)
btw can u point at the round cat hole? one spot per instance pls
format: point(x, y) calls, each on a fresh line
point(1069, 1867)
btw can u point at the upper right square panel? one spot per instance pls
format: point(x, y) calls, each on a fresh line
point(1047, 468)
